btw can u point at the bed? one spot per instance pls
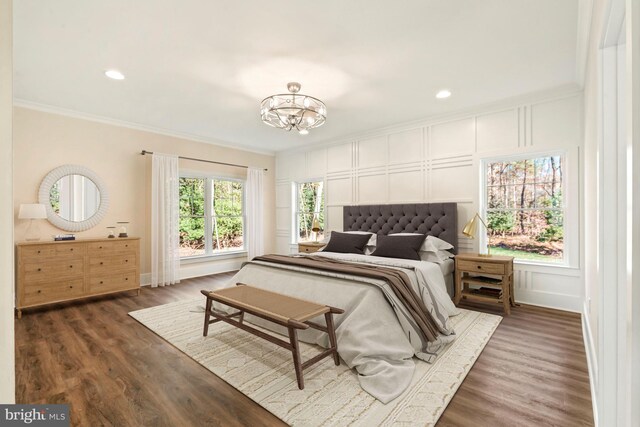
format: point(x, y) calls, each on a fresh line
point(375, 335)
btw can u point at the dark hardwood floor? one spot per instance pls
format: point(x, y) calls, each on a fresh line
point(114, 371)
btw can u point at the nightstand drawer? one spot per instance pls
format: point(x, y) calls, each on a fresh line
point(306, 248)
point(481, 267)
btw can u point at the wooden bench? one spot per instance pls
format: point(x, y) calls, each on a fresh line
point(293, 313)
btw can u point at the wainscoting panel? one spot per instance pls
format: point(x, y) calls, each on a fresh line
point(317, 163)
point(406, 186)
point(339, 191)
point(373, 152)
point(453, 138)
point(438, 161)
point(405, 147)
point(498, 131)
point(283, 194)
point(373, 188)
point(555, 124)
point(340, 158)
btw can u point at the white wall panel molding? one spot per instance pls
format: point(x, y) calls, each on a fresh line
point(373, 152)
point(439, 161)
point(569, 91)
point(340, 158)
point(452, 162)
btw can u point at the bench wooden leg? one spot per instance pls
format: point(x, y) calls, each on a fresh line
point(241, 318)
point(332, 337)
point(293, 336)
point(207, 315)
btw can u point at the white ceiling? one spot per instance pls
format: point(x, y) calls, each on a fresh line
point(201, 67)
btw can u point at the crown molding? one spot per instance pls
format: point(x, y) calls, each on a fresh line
point(534, 98)
point(46, 108)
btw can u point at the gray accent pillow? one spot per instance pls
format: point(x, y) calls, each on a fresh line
point(404, 247)
point(347, 243)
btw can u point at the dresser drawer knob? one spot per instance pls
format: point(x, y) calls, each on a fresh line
point(70, 286)
point(71, 249)
point(479, 267)
point(126, 260)
point(39, 269)
point(71, 266)
point(126, 278)
point(101, 263)
point(38, 251)
point(100, 247)
point(39, 291)
point(101, 282)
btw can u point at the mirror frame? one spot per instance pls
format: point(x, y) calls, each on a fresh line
point(45, 193)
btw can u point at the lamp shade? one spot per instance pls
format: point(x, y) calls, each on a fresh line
point(32, 211)
point(315, 226)
point(471, 227)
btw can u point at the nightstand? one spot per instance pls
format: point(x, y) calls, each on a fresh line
point(309, 247)
point(485, 279)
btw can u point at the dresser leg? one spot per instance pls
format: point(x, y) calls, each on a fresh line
point(19, 313)
point(138, 292)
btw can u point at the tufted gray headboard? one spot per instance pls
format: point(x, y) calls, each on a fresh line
point(435, 219)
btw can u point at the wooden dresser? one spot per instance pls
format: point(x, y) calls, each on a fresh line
point(49, 272)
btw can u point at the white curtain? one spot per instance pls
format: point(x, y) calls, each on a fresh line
point(165, 243)
point(255, 213)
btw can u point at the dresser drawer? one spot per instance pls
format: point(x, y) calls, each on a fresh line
point(47, 270)
point(481, 267)
point(52, 291)
point(110, 264)
point(105, 283)
point(71, 249)
point(113, 247)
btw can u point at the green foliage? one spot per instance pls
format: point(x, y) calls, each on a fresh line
point(501, 221)
point(54, 197)
point(226, 209)
point(310, 204)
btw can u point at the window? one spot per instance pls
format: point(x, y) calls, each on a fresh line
point(211, 216)
point(309, 206)
point(525, 208)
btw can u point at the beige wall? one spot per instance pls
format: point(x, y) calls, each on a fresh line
point(7, 362)
point(44, 141)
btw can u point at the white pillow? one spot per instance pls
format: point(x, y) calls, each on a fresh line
point(437, 256)
point(439, 244)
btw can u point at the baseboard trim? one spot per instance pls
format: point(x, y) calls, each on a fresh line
point(199, 270)
point(592, 364)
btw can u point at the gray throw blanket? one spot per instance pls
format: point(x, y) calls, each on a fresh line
point(397, 280)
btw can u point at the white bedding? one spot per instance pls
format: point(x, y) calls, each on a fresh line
point(370, 337)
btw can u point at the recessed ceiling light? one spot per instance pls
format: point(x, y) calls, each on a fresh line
point(444, 93)
point(114, 74)
point(303, 132)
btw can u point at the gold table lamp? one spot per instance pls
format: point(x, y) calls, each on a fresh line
point(471, 228)
point(315, 227)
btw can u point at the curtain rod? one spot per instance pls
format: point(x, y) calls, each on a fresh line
point(143, 152)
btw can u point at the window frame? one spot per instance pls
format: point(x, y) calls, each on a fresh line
point(208, 217)
point(295, 212)
point(483, 239)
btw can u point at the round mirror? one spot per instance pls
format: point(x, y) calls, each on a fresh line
point(75, 198)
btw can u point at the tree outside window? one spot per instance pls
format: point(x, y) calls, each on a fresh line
point(525, 208)
point(211, 216)
point(309, 205)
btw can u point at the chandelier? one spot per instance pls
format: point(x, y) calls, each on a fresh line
point(293, 110)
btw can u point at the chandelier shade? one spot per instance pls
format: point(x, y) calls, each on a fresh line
point(293, 110)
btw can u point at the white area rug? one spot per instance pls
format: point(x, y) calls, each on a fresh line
point(332, 395)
